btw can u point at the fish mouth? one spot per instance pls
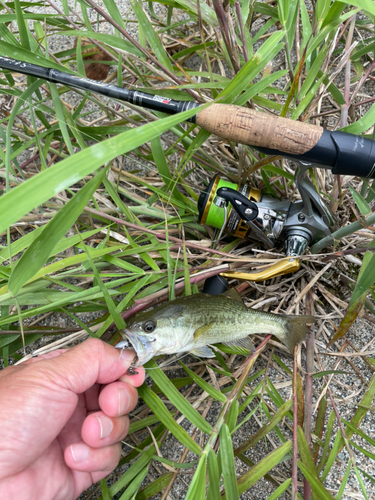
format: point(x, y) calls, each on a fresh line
point(140, 344)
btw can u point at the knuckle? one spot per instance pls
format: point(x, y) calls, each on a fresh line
point(125, 427)
point(94, 344)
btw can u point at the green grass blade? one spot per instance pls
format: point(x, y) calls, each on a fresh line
point(219, 396)
point(263, 431)
point(177, 465)
point(160, 410)
point(23, 32)
point(363, 124)
point(114, 313)
point(331, 421)
point(155, 487)
point(151, 35)
point(232, 415)
point(141, 424)
point(60, 113)
point(366, 5)
point(367, 453)
point(361, 203)
point(228, 463)
point(364, 281)
point(258, 87)
point(105, 490)
point(107, 39)
point(261, 468)
point(35, 191)
point(355, 306)
point(360, 414)
point(304, 453)
point(316, 486)
point(22, 100)
point(198, 483)
point(133, 471)
point(162, 166)
point(176, 398)
point(280, 490)
point(114, 12)
point(208, 15)
point(332, 456)
point(38, 252)
point(134, 486)
point(344, 482)
point(367, 476)
point(361, 483)
point(355, 430)
point(263, 56)
point(213, 491)
point(248, 417)
point(20, 244)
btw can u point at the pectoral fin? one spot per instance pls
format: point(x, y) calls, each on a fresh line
point(245, 343)
point(202, 330)
point(203, 352)
point(233, 294)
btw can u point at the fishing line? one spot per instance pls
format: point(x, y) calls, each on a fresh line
point(215, 242)
point(168, 363)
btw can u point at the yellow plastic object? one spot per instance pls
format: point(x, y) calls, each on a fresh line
point(285, 266)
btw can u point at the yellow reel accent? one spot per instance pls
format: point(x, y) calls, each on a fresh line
point(285, 266)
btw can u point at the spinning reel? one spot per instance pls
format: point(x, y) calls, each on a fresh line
point(245, 212)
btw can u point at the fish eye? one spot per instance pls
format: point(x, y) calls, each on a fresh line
point(149, 326)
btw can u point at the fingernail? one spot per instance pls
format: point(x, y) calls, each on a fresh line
point(123, 401)
point(106, 426)
point(79, 452)
point(127, 356)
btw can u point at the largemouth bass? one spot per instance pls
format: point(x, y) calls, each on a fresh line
point(191, 324)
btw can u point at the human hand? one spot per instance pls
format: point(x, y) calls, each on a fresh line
point(62, 416)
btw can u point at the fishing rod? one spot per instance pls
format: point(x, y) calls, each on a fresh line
point(242, 210)
point(343, 153)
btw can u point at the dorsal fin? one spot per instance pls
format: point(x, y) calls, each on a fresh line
point(202, 330)
point(233, 294)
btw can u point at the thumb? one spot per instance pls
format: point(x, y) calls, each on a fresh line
point(88, 363)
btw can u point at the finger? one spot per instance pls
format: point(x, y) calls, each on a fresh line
point(135, 380)
point(81, 457)
point(48, 355)
point(99, 430)
point(118, 399)
point(31, 361)
point(71, 432)
point(91, 362)
point(92, 398)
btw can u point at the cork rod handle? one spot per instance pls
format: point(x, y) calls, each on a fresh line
point(258, 129)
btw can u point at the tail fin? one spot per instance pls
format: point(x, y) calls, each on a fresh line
point(296, 330)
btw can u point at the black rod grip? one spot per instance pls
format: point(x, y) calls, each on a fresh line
point(344, 153)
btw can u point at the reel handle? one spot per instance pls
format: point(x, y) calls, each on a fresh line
point(345, 153)
point(245, 208)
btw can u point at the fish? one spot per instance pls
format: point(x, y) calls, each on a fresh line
point(195, 322)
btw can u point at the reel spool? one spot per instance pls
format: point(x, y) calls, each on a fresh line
point(211, 212)
point(251, 214)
